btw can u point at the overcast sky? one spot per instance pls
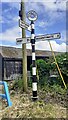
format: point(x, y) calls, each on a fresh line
point(51, 19)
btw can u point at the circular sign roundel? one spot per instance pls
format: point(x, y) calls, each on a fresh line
point(32, 15)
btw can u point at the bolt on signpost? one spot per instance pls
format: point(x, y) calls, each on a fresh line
point(32, 16)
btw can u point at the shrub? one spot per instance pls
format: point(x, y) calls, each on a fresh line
point(18, 84)
point(42, 69)
point(58, 89)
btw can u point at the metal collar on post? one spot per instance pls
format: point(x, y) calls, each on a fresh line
point(32, 15)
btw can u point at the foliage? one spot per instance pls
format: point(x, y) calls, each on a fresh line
point(63, 63)
point(30, 82)
point(58, 89)
point(45, 68)
point(18, 84)
point(43, 71)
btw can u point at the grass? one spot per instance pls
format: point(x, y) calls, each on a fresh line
point(51, 102)
point(23, 107)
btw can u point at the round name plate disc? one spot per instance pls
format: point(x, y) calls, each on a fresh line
point(32, 15)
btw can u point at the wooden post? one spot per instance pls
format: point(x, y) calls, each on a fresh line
point(24, 52)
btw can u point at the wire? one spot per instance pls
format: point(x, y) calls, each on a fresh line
point(57, 65)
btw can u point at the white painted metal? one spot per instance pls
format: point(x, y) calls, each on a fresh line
point(48, 37)
point(33, 56)
point(34, 70)
point(38, 38)
point(24, 25)
point(32, 26)
point(34, 86)
point(21, 40)
point(32, 36)
point(32, 15)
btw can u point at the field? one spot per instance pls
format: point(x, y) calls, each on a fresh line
point(48, 105)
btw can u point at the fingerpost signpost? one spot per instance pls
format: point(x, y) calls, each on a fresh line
point(32, 16)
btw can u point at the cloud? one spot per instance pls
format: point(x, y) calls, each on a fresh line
point(15, 4)
point(50, 7)
point(63, 36)
point(43, 24)
point(45, 46)
point(67, 37)
point(15, 19)
point(11, 34)
point(55, 4)
point(8, 14)
point(49, 12)
point(10, 0)
point(55, 10)
point(1, 20)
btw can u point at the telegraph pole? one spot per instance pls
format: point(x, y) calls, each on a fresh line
point(24, 52)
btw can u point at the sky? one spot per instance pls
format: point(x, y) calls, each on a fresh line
point(51, 19)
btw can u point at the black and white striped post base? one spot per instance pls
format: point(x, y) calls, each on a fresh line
point(34, 80)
